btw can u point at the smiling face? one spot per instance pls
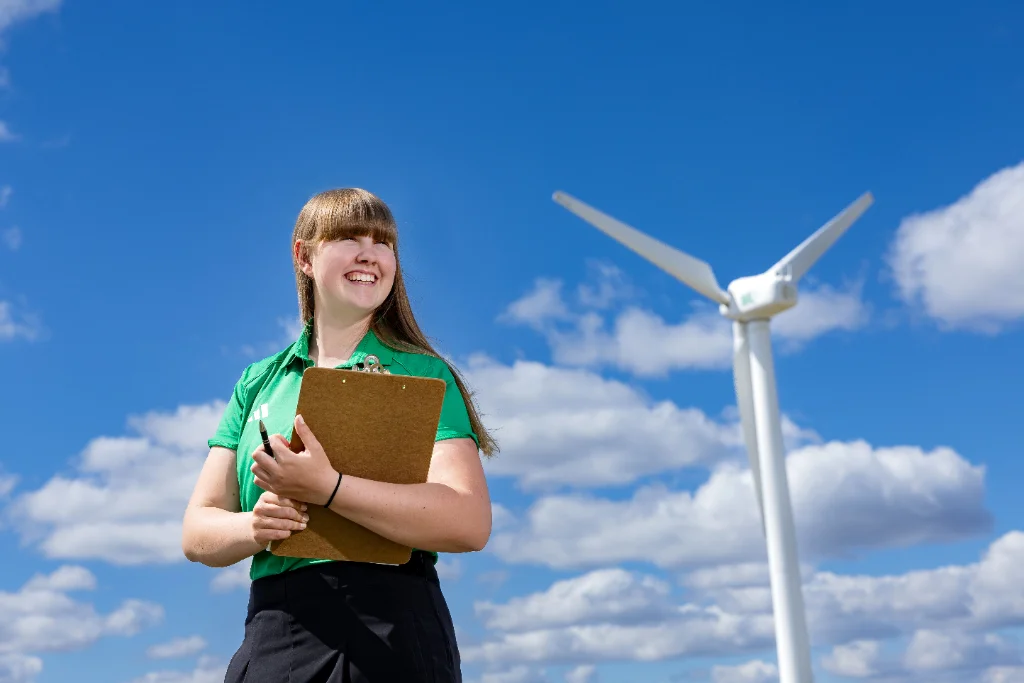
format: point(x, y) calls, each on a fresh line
point(352, 275)
point(345, 253)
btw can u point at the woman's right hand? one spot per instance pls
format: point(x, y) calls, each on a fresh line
point(275, 518)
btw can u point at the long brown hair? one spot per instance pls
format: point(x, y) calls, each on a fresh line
point(350, 212)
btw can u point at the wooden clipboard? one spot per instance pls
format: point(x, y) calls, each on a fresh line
point(371, 425)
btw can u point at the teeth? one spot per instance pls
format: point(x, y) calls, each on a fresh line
point(361, 277)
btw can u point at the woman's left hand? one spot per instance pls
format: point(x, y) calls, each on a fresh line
point(306, 476)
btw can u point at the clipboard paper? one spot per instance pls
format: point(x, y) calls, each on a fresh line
point(373, 426)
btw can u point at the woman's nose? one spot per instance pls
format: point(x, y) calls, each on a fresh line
point(366, 253)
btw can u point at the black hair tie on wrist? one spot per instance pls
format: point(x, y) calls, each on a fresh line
point(328, 503)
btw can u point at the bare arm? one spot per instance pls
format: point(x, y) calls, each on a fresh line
point(451, 512)
point(215, 531)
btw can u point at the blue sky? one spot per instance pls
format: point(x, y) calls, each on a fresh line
point(153, 159)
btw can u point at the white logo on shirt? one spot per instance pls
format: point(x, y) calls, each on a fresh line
point(258, 413)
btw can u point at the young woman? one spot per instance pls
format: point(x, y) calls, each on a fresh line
point(324, 621)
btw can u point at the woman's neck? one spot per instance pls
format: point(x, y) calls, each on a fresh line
point(333, 342)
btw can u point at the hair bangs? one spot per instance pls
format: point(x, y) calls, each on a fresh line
point(351, 212)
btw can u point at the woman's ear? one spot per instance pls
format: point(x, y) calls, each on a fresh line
point(303, 257)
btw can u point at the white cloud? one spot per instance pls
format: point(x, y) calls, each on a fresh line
point(42, 617)
point(945, 613)
point(1004, 674)
point(996, 592)
point(693, 631)
point(750, 672)
point(611, 286)
point(132, 617)
point(961, 263)
point(954, 599)
point(545, 304)
point(819, 311)
point(232, 578)
point(846, 496)
point(933, 650)
point(609, 614)
point(179, 647)
point(855, 659)
point(16, 324)
point(449, 568)
point(517, 674)
point(66, 578)
point(7, 483)
point(208, 670)
point(125, 501)
point(493, 579)
point(18, 668)
point(645, 344)
point(540, 306)
point(291, 328)
point(12, 11)
point(571, 426)
point(501, 518)
point(733, 576)
point(605, 594)
point(11, 238)
point(585, 673)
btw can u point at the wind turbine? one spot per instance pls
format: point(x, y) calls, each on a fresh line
point(751, 302)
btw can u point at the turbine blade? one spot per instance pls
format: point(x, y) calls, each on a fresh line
point(685, 268)
point(800, 260)
point(745, 403)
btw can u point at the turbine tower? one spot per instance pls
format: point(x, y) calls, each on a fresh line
point(750, 303)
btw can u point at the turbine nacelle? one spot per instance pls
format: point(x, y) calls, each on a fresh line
point(759, 297)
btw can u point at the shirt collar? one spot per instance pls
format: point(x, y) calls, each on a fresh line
point(369, 345)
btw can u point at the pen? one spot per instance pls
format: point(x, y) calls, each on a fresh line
point(266, 440)
point(270, 452)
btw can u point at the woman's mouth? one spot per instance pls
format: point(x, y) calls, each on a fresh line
point(364, 279)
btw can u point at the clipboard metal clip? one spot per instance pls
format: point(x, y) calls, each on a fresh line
point(372, 364)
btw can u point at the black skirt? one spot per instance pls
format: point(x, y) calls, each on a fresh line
point(348, 622)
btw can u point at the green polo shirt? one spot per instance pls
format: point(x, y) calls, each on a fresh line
point(268, 390)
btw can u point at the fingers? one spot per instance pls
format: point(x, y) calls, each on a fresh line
point(308, 440)
point(261, 459)
point(278, 524)
point(276, 517)
point(272, 522)
point(281, 500)
point(264, 536)
point(270, 517)
point(260, 473)
point(279, 446)
point(281, 512)
point(265, 468)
